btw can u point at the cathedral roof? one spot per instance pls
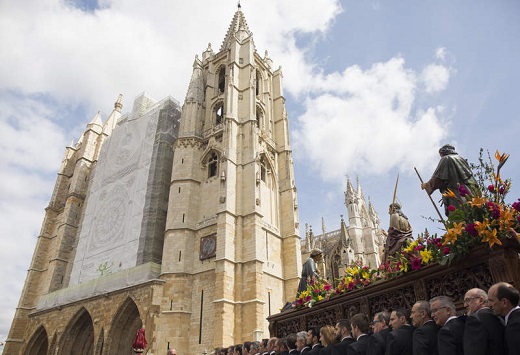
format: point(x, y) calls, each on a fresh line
point(238, 24)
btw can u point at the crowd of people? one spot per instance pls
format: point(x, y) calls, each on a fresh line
point(491, 326)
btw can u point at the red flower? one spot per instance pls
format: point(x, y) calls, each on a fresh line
point(463, 191)
point(491, 188)
point(446, 250)
point(327, 287)
point(451, 208)
point(416, 264)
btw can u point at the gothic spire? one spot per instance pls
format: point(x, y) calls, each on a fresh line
point(96, 120)
point(196, 88)
point(238, 24)
point(111, 121)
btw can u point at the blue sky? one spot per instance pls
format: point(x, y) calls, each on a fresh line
point(373, 89)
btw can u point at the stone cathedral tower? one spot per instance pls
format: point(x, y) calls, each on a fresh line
point(182, 221)
point(231, 246)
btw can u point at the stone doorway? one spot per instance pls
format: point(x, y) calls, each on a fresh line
point(39, 343)
point(78, 337)
point(124, 328)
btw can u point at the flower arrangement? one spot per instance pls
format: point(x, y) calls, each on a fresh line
point(317, 290)
point(420, 252)
point(482, 216)
point(358, 276)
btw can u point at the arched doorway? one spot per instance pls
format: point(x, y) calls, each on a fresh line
point(78, 337)
point(39, 343)
point(124, 328)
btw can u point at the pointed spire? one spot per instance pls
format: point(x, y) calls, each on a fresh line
point(119, 103)
point(238, 24)
point(207, 53)
point(196, 88)
point(111, 121)
point(350, 194)
point(96, 121)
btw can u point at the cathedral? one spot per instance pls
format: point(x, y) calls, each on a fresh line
point(181, 220)
point(359, 239)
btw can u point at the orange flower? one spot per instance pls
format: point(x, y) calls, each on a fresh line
point(491, 237)
point(449, 194)
point(481, 227)
point(507, 219)
point(453, 233)
point(477, 201)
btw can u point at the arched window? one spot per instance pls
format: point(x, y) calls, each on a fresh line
point(263, 169)
point(258, 117)
point(258, 81)
point(212, 165)
point(219, 113)
point(221, 79)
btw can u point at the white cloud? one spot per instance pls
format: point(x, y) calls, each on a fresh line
point(440, 53)
point(435, 78)
point(367, 118)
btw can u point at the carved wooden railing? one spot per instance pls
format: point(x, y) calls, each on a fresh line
point(481, 268)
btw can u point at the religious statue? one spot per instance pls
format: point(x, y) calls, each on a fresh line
point(398, 233)
point(310, 270)
point(452, 171)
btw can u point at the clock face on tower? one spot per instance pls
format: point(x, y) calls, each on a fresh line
point(208, 247)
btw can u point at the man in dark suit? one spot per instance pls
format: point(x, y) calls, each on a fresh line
point(271, 345)
point(290, 342)
point(450, 336)
point(360, 327)
point(301, 342)
point(380, 329)
point(399, 340)
point(313, 340)
point(503, 299)
point(344, 335)
point(483, 332)
point(425, 334)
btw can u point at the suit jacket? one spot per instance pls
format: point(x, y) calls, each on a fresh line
point(327, 350)
point(341, 347)
point(359, 347)
point(400, 341)
point(484, 334)
point(377, 342)
point(450, 338)
point(306, 350)
point(293, 352)
point(315, 350)
point(512, 333)
point(425, 339)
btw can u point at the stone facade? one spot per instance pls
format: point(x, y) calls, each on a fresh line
point(180, 221)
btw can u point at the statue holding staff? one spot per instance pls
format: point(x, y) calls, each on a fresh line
point(451, 172)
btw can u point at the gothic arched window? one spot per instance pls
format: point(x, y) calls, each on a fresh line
point(219, 113)
point(212, 165)
point(258, 117)
point(263, 169)
point(258, 81)
point(221, 79)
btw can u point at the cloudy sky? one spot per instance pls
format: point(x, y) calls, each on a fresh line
point(373, 89)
